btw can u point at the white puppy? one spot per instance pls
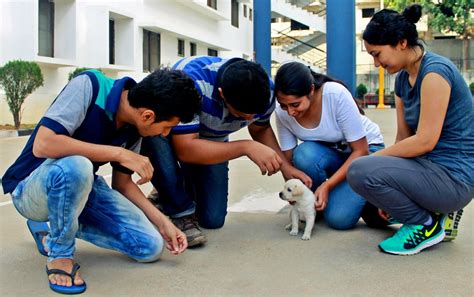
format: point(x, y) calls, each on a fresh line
point(302, 200)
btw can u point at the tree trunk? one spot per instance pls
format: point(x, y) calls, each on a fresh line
point(16, 119)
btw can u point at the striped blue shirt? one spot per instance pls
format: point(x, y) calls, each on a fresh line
point(214, 122)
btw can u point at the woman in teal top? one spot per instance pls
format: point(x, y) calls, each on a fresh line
point(429, 171)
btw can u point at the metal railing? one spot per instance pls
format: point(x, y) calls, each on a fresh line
point(299, 48)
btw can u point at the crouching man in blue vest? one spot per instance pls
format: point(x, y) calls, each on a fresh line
point(93, 121)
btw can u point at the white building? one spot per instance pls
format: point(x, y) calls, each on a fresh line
point(127, 37)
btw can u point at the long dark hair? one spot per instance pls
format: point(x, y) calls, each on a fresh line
point(388, 27)
point(295, 79)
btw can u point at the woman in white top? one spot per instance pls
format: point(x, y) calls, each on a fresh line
point(322, 114)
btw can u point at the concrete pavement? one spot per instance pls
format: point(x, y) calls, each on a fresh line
point(252, 255)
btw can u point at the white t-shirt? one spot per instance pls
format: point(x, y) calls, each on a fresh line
point(340, 121)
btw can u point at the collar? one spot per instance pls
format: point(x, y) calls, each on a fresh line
point(113, 98)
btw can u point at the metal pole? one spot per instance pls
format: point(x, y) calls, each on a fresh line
point(340, 35)
point(381, 78)
point(261, 33)
point(381, 87)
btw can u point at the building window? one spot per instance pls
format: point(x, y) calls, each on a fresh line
point(180, 47)
point(368, 12)
point(234, 18)
point(212, 4)
point(245, 11)
point(111, 42)
point(46, 28)
point(151, 51)
point(250, 14)
point(192, 49)
point(212, 52)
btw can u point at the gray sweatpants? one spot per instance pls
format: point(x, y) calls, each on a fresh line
point(408, 189)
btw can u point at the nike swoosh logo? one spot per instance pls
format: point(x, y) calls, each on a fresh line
point(428, 233)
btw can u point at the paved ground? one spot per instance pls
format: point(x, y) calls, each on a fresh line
point(252, 255)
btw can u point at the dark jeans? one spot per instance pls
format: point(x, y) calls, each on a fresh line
point(408, 189)
point(188, 188)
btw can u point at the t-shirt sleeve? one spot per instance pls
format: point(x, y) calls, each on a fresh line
point(441, 69)
point(286, 138)
point(69, 109)
point(348, 116)
point(187, 128)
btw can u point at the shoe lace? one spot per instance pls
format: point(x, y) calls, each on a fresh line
point(410, 233)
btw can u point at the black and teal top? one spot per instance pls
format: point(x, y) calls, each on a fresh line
point(85, 110)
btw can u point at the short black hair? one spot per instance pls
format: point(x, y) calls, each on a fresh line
point(169, 93)
point(246, 86)
point(388, 27)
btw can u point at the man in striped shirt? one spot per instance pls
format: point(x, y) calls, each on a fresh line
point(191, 166)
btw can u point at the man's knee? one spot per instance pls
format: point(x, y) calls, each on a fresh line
point(150, 251)
point(212, 220)
point(77, 170)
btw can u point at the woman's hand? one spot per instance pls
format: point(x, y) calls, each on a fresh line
point(322, 196)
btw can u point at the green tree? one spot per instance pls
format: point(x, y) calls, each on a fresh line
point(449, 16)
point(19, 79)
point(361, 90)
point(76, 71)
point(399, 5)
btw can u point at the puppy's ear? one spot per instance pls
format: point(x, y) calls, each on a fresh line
point(298, 190)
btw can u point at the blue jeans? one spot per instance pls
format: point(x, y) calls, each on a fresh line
point(320, 161)
point(188, 188)
point(64, 192)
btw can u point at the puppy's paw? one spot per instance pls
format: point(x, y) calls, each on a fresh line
point(294, 232)
point(288, 227)
point(306, 237)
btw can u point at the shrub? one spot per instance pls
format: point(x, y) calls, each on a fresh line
point(471, 87)
point(19, 79)
point(76, 71)
point(361, 90)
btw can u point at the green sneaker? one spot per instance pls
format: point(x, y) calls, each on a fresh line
point(412, 239)
point(451, 224)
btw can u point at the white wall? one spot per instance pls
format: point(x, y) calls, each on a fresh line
point(82, 37)
point(65, 29)
point(19, 30)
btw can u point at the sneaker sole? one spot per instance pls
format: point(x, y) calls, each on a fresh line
point(451, 224)
point(198, 241)
point(419, 248)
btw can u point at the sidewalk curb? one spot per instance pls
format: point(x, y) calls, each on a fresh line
point(15, 133)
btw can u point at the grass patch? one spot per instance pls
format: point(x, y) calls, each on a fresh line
point(12, 127)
